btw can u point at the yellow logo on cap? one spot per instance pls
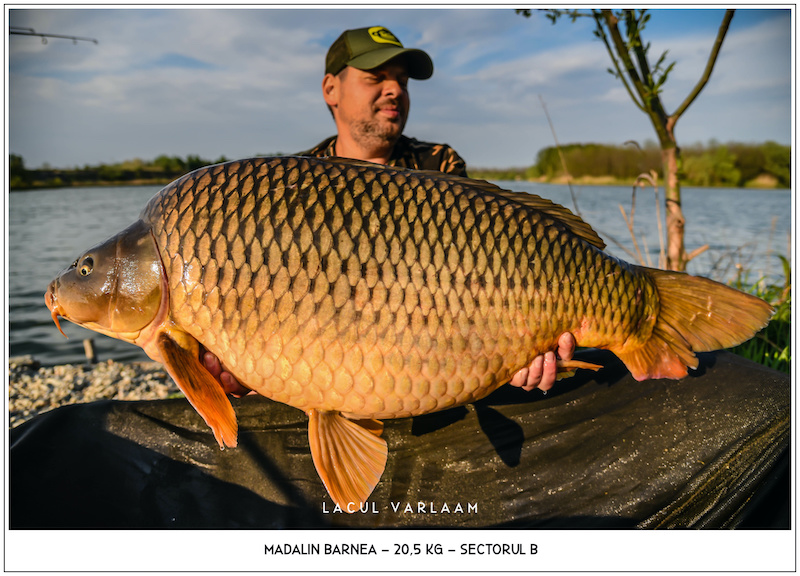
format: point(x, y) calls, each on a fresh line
point(382, 35)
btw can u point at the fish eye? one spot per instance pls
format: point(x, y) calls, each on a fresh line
point(86, 266)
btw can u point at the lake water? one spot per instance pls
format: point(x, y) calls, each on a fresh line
point(49, 228)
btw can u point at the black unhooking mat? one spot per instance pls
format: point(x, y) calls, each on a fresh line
point(599, 450)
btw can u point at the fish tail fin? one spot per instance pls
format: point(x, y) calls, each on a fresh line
point(349, 456)
point(695, 315)
point(202, 391)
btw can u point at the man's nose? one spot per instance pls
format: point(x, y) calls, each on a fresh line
point(393, 88)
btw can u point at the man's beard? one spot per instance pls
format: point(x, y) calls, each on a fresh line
point(381, 133)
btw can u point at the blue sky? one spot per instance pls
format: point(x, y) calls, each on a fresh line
point(243, 82)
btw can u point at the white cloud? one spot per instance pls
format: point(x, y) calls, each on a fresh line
point(260, 92)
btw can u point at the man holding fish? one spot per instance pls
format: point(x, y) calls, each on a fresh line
point(366, 90)
point(358, 292)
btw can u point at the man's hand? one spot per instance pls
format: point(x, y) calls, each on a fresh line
point(229, 383)
point(541, 373)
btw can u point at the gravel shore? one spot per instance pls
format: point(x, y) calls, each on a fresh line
point(33, 389)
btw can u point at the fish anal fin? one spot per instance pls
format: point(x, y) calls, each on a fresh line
point(659, 357)
point(348, 454)
point(179, 352)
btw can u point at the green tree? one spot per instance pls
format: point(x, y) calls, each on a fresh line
point(643, 82)
point(17, 175)
point(749, 161)
point(725, 171)
point(110, 172)
point(16, 164)
point(193, 162)
point(778, 162)
point(714, 167)
point(170, 164)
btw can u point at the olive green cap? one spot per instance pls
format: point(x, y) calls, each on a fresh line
point(368, 48)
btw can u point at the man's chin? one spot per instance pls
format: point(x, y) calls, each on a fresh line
point(385, 131)
point(390, 131)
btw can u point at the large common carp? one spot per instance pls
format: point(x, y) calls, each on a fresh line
point(358, 292)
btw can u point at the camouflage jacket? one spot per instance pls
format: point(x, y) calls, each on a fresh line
point(408, 153)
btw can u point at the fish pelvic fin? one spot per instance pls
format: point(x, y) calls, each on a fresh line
point(349, 456)
point(179, 353)
point(695, 315)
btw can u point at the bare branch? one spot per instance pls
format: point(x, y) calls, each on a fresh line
point(712, 59)
point(600, 33)
point(696, 252)
point(563, 160)
point(640, 51)
point(622, 52)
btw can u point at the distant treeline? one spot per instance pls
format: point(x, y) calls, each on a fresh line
point(715, 164)
point(162, 170)
point(766, 165)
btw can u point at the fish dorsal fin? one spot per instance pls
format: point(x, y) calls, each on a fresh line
point(349, 456)
point(204, 393)
point(572, 221)
point(347, 162)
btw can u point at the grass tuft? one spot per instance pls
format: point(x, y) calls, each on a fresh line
point(772, 346)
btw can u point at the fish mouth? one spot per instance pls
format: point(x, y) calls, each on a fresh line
point(51, 301)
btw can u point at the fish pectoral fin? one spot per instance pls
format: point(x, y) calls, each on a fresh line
point(566, 368)
point(349, 456)
point(204, 393)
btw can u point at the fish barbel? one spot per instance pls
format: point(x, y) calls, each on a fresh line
point(358, 292)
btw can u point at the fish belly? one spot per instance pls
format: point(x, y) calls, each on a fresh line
point(378, 292)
